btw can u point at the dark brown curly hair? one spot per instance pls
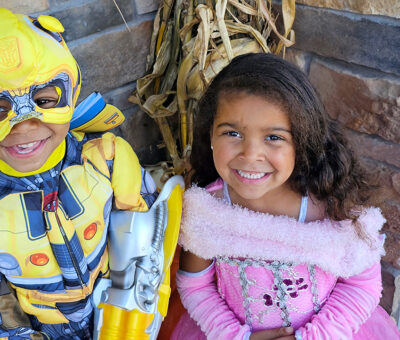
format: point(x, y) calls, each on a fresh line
point(325, 166)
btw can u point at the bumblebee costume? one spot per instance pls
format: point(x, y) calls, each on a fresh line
point(54, 221)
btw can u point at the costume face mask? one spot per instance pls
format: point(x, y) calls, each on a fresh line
point(33, 56)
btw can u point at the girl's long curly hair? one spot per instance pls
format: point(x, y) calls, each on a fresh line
point(325, 166)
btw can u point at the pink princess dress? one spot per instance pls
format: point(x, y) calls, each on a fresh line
point(274, 271)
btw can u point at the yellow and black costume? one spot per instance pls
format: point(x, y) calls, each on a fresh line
point(53, 228)
point(54, 221)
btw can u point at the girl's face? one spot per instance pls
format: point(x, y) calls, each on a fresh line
point(253, 149)
point(30, 143)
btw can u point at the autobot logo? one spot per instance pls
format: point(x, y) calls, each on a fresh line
point(9, 54)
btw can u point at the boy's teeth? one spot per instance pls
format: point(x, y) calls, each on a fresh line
point(26, 145)
point(251, 176)
point(26, 148)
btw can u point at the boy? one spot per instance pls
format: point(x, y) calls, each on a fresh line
point(57, 187)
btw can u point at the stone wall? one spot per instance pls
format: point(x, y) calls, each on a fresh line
point(110, 53)
point(351, 52)
point(349, 49)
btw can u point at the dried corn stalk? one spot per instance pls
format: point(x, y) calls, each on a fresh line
point(192, 41)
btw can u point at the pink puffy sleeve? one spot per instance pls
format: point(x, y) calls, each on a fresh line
point(350, 304)
point(200, 297)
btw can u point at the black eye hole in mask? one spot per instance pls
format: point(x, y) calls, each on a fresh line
point(5, 108)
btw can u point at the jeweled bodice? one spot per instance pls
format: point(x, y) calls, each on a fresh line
point(269, 294)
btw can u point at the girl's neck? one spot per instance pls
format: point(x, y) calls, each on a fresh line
point(281, 201)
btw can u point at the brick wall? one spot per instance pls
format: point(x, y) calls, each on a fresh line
point(351, 52)
point(110, 56)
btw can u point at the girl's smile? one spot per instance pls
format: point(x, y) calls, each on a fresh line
point(253, 149)
point(251, 176)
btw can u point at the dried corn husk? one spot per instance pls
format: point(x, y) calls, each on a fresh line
point(191, 42)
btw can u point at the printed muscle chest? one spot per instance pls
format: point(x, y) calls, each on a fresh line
point(29, 236)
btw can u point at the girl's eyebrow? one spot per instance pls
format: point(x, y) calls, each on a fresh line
point(279, 129)
point(231, 125)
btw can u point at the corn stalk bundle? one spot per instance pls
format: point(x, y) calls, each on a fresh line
point(191, 42)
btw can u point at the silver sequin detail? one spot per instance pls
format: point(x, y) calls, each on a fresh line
point(275, 267)
point(314, 288)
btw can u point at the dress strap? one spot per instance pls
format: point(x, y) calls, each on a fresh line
point(303, 209)
point(227, 198)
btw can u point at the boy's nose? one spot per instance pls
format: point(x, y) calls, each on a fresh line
point(25, 126)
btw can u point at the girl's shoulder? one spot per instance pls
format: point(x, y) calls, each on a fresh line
point(315, 209)
point(216, 188)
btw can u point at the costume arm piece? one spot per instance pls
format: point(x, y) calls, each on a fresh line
point(350, 305)
point(141, 247)
point(126, 178)
point(200, 297)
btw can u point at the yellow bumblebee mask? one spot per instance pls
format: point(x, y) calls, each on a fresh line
point(33, 55)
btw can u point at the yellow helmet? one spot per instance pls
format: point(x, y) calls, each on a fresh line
point(33, 55)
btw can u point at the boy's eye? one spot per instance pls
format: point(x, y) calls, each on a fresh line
point(45, 103)
point(46, 98)
point(5, 107)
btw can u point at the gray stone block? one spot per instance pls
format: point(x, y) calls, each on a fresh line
point(119, 97)
point(89, 17)
point(112, 58)
point(143, 135)
point(25, 6)
point(146, 6)
point(372, 41)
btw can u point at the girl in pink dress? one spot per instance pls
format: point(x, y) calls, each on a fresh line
point(284, 242)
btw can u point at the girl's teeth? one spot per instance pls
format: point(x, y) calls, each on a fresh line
point(251, 176)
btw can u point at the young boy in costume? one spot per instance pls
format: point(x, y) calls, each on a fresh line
point(57, 187)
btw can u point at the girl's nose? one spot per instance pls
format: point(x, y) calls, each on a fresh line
point(252, 151)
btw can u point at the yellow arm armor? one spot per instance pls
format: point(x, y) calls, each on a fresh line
point(133, 303)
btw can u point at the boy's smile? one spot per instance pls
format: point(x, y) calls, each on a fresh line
point(30, 143)
point(253, 148)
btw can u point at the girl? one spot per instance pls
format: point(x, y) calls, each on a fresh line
point(285, 224)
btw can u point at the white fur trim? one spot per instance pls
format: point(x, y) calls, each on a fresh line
point(211, 228)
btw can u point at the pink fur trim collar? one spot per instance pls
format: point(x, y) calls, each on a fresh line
point(210, 227)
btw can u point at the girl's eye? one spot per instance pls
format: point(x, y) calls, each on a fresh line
point(273, 138)
point(232, 133)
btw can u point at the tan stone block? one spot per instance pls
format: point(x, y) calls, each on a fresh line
point(377, 7)
point(299, 58)
point(392, 248)
point(391, 211)
point(362, 100)
point(375, 148)
point(388, 291)
point(385, 180)
point(25, 6)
